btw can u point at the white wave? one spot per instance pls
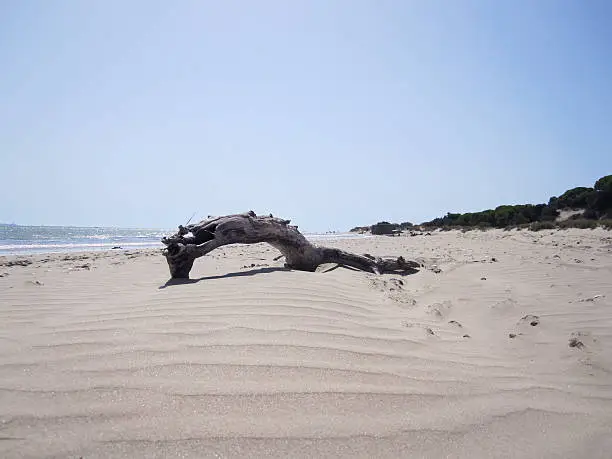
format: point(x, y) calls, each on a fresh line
point(55, 247)
point(120, 236)
point(13, 247)
point(334, 236)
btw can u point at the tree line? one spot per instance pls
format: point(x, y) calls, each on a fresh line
point(592, 203)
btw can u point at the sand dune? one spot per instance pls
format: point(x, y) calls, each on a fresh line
point(501, 346)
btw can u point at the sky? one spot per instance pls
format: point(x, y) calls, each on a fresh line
point(331, 113)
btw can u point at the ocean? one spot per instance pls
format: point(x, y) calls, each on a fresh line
point(21, 240)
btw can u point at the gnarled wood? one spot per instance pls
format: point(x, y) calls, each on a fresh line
point(196, 240)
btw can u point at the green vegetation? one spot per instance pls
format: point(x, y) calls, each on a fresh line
point(537, 226)
point(594, 204)
point(500, 217)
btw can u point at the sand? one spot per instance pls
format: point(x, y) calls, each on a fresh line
point(501, 346)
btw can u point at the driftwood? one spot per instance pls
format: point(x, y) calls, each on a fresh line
point(196, 240)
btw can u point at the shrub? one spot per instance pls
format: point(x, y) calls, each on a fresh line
point(606, 224)
point(384, 228)
point(538, 226)
point(588, 214)
point(596, 203)
point(576, 198)
point(579, 216)
point(604, 184)
point(581, 223)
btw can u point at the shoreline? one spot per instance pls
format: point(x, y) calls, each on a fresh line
point(35, 248)
point(335, 239)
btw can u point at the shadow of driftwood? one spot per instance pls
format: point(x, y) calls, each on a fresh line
point(406, 272)
point(251, 272)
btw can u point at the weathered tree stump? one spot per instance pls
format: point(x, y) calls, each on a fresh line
point(196, 240)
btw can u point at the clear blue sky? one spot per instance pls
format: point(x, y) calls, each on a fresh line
point(331, 113)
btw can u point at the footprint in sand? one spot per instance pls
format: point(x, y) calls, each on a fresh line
point(456, 324)
point(439, 310)
point(419, 326)
point(529, 319)
point(581, 340)
point(394, 289)
point(34, 282)
point(589, 299)
point(525, 323)
point(576, 342)
point(405, 300)
point(504, 306)
point(395, 284)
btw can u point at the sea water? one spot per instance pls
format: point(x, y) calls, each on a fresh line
point(20, 240)
point(17, 239)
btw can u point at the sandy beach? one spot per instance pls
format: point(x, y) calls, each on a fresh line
point(500, 346)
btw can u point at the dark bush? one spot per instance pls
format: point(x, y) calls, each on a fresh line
point(579, 216)
point(384, 228)
point(581, 223)
point(596, 202)
point(538, 226)
point(576, 198)
point(604, 184)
